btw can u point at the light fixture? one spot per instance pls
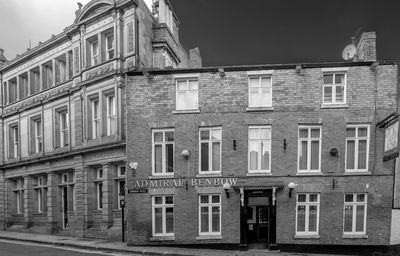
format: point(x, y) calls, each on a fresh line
point(185, 153)
point(291, 186)
point(133, 165)
point(226, 188)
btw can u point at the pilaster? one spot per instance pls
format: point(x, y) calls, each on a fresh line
point(28, 201)
point(107, 197)
point(82, 215)
point(2, 201)
point(53, 204)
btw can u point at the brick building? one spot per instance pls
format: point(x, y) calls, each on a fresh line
point(282, 156)
point(62, 154)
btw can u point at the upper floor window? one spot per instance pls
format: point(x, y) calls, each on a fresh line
point(93, 51)
point(36, 134)
point(334, 89)
point(47, 75)
point(13, 141)
point(259, 149)
point(309, 149)
point(187, 94)
point(111, 114)
point(163, 152)
point(108, 37)
point(12, 90)
point(355, 214)
point(35, 80)
point(94, 117)
point(210, 150)
point(260, 91)
point(61, 127)
point(61, 69)
point(23, 86)
point(357, 147)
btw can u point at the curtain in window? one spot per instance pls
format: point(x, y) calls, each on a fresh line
point(348, 218)
point(158, 220)
point(204, 157)
point(253, 148)
point(360, 218)
point(216, 156)
point(169, 218)
point(265, 146)
point(169, 157)
point(351, 148)
point(327, 94)
point(312, 223)
point(339, 93)
point(158, 158)
point(204, 219)
point(314, 155)
point(215, 218)
point(303, 156)
point(362, 154)
point(301, 218)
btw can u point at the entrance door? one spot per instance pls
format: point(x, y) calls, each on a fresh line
point(262, 223)
point(258, 218)
point(64, 196)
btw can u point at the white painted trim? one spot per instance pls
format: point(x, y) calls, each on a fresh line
point(209, 141)
point(335, 69)
point(189, 75)
point(260, 72)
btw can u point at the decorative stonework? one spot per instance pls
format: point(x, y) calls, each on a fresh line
point(96, 72)
point(37, 99)
point(130, 63)
point(76, 60)
point(131, 37)
point(99, 24)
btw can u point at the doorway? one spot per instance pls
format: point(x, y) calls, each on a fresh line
point(64, 197)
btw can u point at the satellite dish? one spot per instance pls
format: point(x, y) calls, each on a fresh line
point(349, 52)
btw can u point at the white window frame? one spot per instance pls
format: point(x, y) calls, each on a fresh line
point(15, 130)
point(19, 192)
point(210, 151)
point(108, 49)
point(111, 113)
point(121, 177)
point(41, 193)
point(357, 139)
point(163, 151)
point(259, 149)
point(334, 73)
point(95, 118)
point(95, 55)
point(163, 206)
point(99, 188)
point(258, 104)
point(354, 214)
point(63, 130)
point(37, 126)
point(210, 205)
point(309, 140)
point(187, 93)
point(307, 205)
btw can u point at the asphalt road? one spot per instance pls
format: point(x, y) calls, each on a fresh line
point(27, 249)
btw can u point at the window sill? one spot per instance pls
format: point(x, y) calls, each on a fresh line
point(204, 175)
point(335, 105)
point(188, 111)
point(161, 176)
point(307, 236)
point(259, 109)
point(257, 174)
point(40, 214)
point(356, 173)
point(17, 215)
point(354, 236)
point(209, 237)
point(318, 173)
point(162, 238)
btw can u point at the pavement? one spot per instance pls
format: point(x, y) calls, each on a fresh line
point(119, 247)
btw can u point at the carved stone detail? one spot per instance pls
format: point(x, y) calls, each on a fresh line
point(131, 37)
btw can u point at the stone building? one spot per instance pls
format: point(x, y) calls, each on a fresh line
point(62, 137)
point(286, 156)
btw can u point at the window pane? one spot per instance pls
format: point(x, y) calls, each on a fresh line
point(193, 85)
point(339, 93)
point(348, 218)
point(181, 100)
point(169, 199)
point(301, 218)
point(158, 158)
point(216, 134)
point(169, 136)
point(253, 148)
point(315, 133)
point(182, 85)
point(362, 132)
point(266, 82)
point(303, 133)
point(265, 148)
point(192, 100)
point(215, 199)
point(351, 147)
point(204, 199)
point(216, 156)
point(204, 156)
point(158, 137)
point(158, 200)
point(253, 98)
point(350, 132)
point(328, 94)
point(169, 218)
point(314, 155)
point(266, 97)
point(301, 198)
point(215, 219)
point(360, 218)
point(254, 133)
point(348, 198)
point(205, 135)
point(312, 223)
point(362, 154)
point(169, 157)
point(313, 198)
point(265, 134)
point(204, 219)
point(255, 82)
point(158, 220)
point(328, 79)
point(303, 156)
point(339, 78)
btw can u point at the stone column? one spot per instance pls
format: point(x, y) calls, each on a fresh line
point(28, 201)
point(107, 197)
point(10, 202)
point(53, 203)
point(81, 207)
point(2, 201)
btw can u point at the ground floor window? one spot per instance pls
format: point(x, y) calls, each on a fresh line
point(355, 213)
point(210, 214)
point(99, 188)
point(163, 215)
point(19, 195)
point(41, 193)
point(307, 214)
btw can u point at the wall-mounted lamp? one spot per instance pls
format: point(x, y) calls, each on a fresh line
point(291, 186)
point(133, 165)
point(185, 153)
point(226, 188)
point(334, 151)
point(234, 145)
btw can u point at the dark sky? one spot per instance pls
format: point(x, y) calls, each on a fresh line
point(246, 32)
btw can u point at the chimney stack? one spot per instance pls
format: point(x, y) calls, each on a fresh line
point(366, 47)
point(195, 58)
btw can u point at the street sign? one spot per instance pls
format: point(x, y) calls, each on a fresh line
point(137, 190)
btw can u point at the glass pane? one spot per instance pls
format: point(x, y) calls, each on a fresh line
point(253, 98)
point(255, 82)
point(339, 93)
point(301, 218)
point(158, 200)
point(348, 218)
point(204, 219)
point(169, 136)
point(181, 100)
point(169, 218)
point(216, 156)
point(192, 100)
point(204, 199)
point(360, 198)
point(350, 157)
point(301, 198)
point(182, 85)
point(254, 133)
point(339, 78)
point(216, 134)
point(312, 223)
point(303, 133)
point(205, 135)
point(351, 132)
point(362, 154)
point(266, 82)
point(169, 157)
point(215, 199)
point(169, 199)
point(266, 97)
point(204, 156)
point(348, 198)
point(313, 197)
point(314, 155)
point(215, 219)
point(360, 218)
point(193, 85)
point(265, 148)
point(253, 149)
point(303, 156)
point(315, 133)
point(363, 132)
point(158, 220)
point(158, 158)
point(265, 134)
point(328, 94)
point(328, 79)
point(158, 137)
